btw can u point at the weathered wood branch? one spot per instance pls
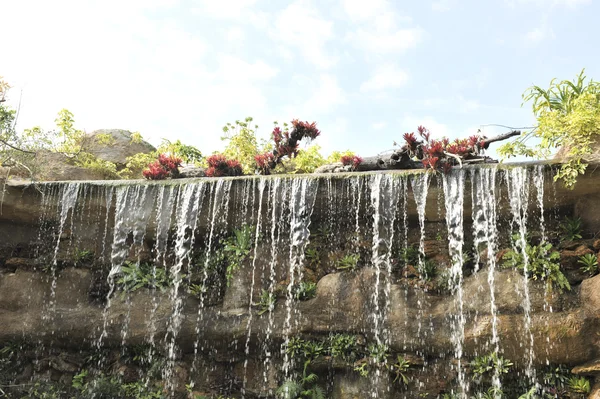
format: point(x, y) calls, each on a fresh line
point(402, 159)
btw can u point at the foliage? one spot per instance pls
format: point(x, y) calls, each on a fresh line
point(491, 363)
point(531, 394)
point(219, 165)
point(267, 302)
point(305, 290)
point(135, 164)
point(399, 368)
point(379, 352)
point(492, 393)
point(133, 277)
point(348, 262)
point(313, 256)
point(242, 144)
point(82, 256)
point(571, 228)
point(197, 290)
point(542, 263)
point(44, 391)
point(343, 346)
point(428, 269)
point(305, 387)
point(362, 369)
point(590, 264)
point(407, 256)
point(187, 153)
point(286, 145)
point(306, 161)
point(441, 154)
point(165, 166)
point(579, 385)
point(237, 248)
point(336, 156)
point(351, 160)
point(568, 116)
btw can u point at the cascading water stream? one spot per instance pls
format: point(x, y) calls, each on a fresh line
point(454, 199)
point(517, 180)
point(302, 199)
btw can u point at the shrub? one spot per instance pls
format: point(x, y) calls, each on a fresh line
point(343, 346)
point(590, 264)
point(219, 166)
point(267, 302)
point(348, 262)
point(351, 160)
point(306, 290)
point(543, 263)
point(165, 166)
point(571, 228)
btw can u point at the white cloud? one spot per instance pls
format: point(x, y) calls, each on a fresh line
point(441, 5)
point(379, 125)
point(378, 27)
point(230, 9)
point(235, 35)
point(548, 3)
point(386, 76)
point(300, 25)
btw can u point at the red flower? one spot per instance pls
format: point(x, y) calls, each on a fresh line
point(305, 129)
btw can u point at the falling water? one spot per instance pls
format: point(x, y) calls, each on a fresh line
point(302, 198)
point(485, 233)
point(454, 198)
point(517, 180)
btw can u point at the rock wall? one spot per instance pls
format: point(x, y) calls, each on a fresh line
point(406, 266)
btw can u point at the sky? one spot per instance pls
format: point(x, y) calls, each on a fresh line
point(365, 70)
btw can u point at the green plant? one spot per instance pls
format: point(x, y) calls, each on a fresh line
point(82, 256)
point(362, 369)
point(343, 346)
point(408, 256)
point(306, 387)
point(399, 368)
point(237, 248)
point(428, 270)
point(571, 228)
point(313, 256)
point(590, 264)
point(79, 380)
point(348, 262)
point(543, 263)
point(44, 391)
point(267, 302)
point(579, 385)
point(379, 352)
point(133, 277)
point(491, 363)
point(531, 394)
point(568, 115)
point(305, 290)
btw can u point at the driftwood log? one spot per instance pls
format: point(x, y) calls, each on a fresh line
point(401, 159)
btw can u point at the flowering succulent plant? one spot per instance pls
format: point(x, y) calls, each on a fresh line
point(351, 160)
point(165, 166)
point(219, 165)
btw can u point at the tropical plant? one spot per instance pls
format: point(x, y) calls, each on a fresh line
point(571, 228)
point(351, 160)
point(305, 387)
point(135, 276)
point(580, 385)
point(237, 248)
point(428, 269)
point(491, 363)
point(379, 352)
point(399, 368)
point(362, 369)
point(165, 166)
point(187, 153)
point(219, 165)
point(343, 346)
point(197, 290)
point(492, 393)
point(305, 290)
point(542, 263)
point(348, 262)
point(531, 394)
point(589, 263)
point(82, 256)
point(568, 115)
point(242, 143)
point(313, 256)
point(267, 302)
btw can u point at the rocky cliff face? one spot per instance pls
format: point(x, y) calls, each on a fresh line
point(381, 285)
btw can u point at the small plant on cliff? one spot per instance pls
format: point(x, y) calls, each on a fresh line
point(589, 264)
point(197, 290)
point(348, 262)
point(165, 166)
point(133, 277)
point(579, 385)
point(343, 346)
point(542, 263)
point(492, 393)
point(571, 228)
point(306, 387)
point(489, 364)
point(267, 302)
point(313, 256)
point(428, 270)
point(82, 256)
point(305, 290)
point(237, 248)
point(399, 369)
point(379, 353)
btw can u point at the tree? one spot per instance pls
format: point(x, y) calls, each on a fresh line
point(568, 115)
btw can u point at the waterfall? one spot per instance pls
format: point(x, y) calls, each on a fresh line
point(517, 181)
point(454, 199)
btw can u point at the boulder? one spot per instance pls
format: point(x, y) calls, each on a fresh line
point(122, 146)
point(188, 171)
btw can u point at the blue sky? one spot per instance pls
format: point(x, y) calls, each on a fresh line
point(366, 71)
